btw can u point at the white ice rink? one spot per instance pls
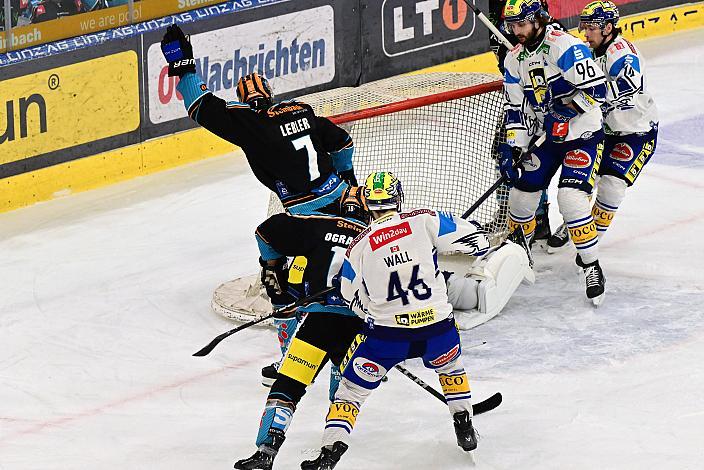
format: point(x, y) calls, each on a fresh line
point(105, 295)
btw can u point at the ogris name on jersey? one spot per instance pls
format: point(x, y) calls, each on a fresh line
point(388, 235)
point(294, 127)
point(339, 238)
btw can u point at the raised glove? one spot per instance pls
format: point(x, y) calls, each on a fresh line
point(178, 52)
point(557, 121)
point(510, 162)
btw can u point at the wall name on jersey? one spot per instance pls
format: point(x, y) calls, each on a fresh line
point(396, 259)
point(417, 318)
point(294, 127)
point(387, 235)
point(340, 238)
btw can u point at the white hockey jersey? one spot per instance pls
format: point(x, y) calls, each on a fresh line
point(629, 107)
point(390, 273)
point(560, 69)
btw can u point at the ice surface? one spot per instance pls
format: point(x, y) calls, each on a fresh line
point(105, 295)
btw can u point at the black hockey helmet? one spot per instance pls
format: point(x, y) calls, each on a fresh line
point(254, 90)
point(353, 204)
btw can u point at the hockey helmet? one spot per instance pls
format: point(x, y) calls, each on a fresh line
point(353, 204)
point(599, 13)
point(523, 10)
point(254, 90)
point(383, 191)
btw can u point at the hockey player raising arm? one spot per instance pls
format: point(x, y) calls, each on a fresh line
point(303, 158)
point(390, 275)
point(553, 87)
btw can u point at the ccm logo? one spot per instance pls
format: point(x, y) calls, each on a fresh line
point(577, 159)
point(409, 26)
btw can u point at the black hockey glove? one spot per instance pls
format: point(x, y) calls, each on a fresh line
point(348, 177)
point(274, 278)
point(510, 162)
point(178, 52)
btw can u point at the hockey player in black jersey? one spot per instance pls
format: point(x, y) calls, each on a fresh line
point(305, 159)
point(319, 243)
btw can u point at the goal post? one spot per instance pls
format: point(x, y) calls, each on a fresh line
point(436, 132)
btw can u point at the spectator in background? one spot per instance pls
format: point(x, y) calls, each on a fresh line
point(14, 13)
point(52, 9)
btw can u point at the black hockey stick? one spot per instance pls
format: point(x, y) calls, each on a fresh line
point(501, 180)
point(477, 409)
point(487, 22)
point(302, 301)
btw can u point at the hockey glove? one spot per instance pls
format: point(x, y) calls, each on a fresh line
point(557, 121)
point(348, 177)
point(274, 278)
point(510, 162)
point(178, 52)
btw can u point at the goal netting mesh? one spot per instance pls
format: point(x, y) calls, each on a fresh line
point(437, 132)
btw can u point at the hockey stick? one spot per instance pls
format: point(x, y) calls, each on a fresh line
point(302, 301)
point(487, 22)
point(501, 180)
point(477, 409)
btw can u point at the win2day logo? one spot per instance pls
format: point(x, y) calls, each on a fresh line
point(409, 26)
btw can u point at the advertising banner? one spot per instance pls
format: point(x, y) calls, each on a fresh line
point(67, 106)
point(294, 51)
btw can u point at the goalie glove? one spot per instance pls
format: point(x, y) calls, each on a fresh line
point(178, 52)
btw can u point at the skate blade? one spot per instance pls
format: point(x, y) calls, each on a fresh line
point(596, 301)
point(268, 382)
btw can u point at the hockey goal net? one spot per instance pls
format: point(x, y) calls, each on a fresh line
point(436, 132)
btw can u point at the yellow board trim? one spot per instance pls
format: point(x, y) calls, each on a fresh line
point(186, 147)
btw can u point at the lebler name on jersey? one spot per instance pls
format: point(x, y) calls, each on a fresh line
point(294, 127)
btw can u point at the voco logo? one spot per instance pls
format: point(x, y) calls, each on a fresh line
point(17, 115)
point(408, 25)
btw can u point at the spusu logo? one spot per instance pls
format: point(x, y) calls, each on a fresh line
point(408, 26)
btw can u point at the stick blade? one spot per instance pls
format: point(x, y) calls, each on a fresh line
point(489, 404)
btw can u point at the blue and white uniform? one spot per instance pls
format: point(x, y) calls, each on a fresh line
point(556, 76)
point(630, 124)
point(391, 277)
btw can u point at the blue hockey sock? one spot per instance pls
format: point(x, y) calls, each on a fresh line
point(286, 327)
point(335, 377)
point(277, 416)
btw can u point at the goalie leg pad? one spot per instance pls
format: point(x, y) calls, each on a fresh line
point(461, 292)
point(500, 274)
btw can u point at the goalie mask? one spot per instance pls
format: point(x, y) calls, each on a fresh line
point(353, 204)
point(254, 90)
point(383, 191)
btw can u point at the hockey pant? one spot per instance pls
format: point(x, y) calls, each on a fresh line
point(321, 337)
point(624, 159)
point(579, 161)
point(379, 349)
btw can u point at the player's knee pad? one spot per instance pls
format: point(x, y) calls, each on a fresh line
point(286, 388)
point(275, 420)
point(461, 292)
point(351, 392)
point(286, 328)
point(522, 206)
point(576, 211)
point(499, 275)
point(302, 361)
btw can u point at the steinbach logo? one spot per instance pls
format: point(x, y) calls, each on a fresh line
point(387, 235)
point(408, 26)
point(577, 159)
point(622, 151)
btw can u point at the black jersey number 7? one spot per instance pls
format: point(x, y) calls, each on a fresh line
point(305, 143)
